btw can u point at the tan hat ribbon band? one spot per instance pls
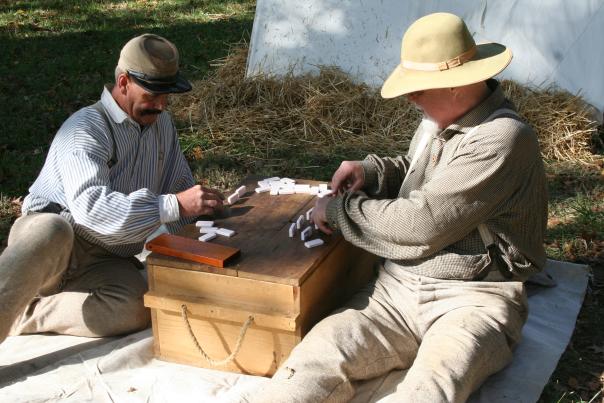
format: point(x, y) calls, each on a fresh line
point(448, 64)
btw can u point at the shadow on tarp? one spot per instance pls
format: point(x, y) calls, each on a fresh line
point(12, 373)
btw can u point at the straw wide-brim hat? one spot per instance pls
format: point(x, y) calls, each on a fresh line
point(438, 51)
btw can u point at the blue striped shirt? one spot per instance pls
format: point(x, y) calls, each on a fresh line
point(116, 206)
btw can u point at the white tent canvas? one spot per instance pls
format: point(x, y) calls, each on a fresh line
point(553, 41)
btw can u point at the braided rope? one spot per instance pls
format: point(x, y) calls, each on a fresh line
point(211, 361)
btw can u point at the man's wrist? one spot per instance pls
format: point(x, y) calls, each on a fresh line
point(169, 210)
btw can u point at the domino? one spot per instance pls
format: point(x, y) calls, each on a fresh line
point(262, 190)
point(273, 179)
point(314, 190)
point(207, 237)
point(225, 232)
point(302, 188)
point(292, 230)
point(232, 199)
point(304, 235)
point(287, 181)
point(313, 243)
point(241, 191)
point(308, 213)
point(274, 191)
point(299, 222)
point(286, 191)
point(208, 230)
point(204, 224)
point(323, 187)
point(322, 194)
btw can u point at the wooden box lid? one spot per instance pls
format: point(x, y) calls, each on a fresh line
point(267, 252)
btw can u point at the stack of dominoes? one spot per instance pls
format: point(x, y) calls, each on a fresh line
point(306, 232)
point(232, 199)
point(286, 186)
point(209, 231)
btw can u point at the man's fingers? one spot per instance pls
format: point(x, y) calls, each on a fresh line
point(324, 228)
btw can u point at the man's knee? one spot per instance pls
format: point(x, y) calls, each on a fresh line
point(117, 309)
point(44, 229)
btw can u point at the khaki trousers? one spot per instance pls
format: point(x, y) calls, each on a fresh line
point(51, 281)
point(451, 335)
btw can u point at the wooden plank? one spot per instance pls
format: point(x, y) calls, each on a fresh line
point(222, 310)
point(191, 249)
point(278, 297)
point(262, 350)
point(342, 273)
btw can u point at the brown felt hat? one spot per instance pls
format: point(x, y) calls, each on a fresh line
point(438, 51)
point(152, 62)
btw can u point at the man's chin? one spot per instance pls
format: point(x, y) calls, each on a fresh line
point(146, 120)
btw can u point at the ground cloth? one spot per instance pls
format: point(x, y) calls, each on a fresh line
point(42, 368)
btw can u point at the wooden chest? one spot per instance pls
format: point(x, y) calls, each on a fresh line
point(285, 287)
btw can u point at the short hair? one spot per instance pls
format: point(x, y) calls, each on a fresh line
point(118, 71)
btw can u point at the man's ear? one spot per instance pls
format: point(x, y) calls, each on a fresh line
point(122, 83)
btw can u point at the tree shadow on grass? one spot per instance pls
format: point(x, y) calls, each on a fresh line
point(47, 78)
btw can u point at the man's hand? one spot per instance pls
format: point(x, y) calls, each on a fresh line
point(348, 177)
point(318, 215)
point(199, 200)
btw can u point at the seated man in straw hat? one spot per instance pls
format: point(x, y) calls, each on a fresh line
point(113, 175)
point(459, 222)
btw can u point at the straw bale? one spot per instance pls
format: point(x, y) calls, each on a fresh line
point(305, 125)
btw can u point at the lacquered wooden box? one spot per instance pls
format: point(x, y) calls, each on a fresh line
point(285, 287)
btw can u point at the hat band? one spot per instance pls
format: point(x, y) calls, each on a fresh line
point(152, 80)
point(446, 65)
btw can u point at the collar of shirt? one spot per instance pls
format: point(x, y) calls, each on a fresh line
point(477, 115)
point(117, 114)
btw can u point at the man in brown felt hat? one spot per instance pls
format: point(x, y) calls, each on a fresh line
point(459, 222)
point(114, 173)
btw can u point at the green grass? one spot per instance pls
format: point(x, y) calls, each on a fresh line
point(57, 55)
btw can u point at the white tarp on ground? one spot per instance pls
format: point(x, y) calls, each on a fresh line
point(49, 368)
point(553, 41)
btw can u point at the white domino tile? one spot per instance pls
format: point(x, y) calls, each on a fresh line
point(208, 230)
point(313, 243)
point(323, 186)
point(292, 230)
point(286, 191)
point(306, 233)
point(241, 191)
point(299, 222)
point(204, 224)
point(274, 191)
point(225, 232)
point(314, 190)
point(302, 188)
point(207, 237)
point(324, 193)
point(232, 199)
point(262, 189)
point(308, 213)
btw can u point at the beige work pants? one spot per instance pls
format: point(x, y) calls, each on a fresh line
point(451, 335)
point(51, 281)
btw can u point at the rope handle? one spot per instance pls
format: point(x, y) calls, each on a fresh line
point(212, 362)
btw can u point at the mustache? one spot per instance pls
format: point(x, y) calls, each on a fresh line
point(145, 112)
